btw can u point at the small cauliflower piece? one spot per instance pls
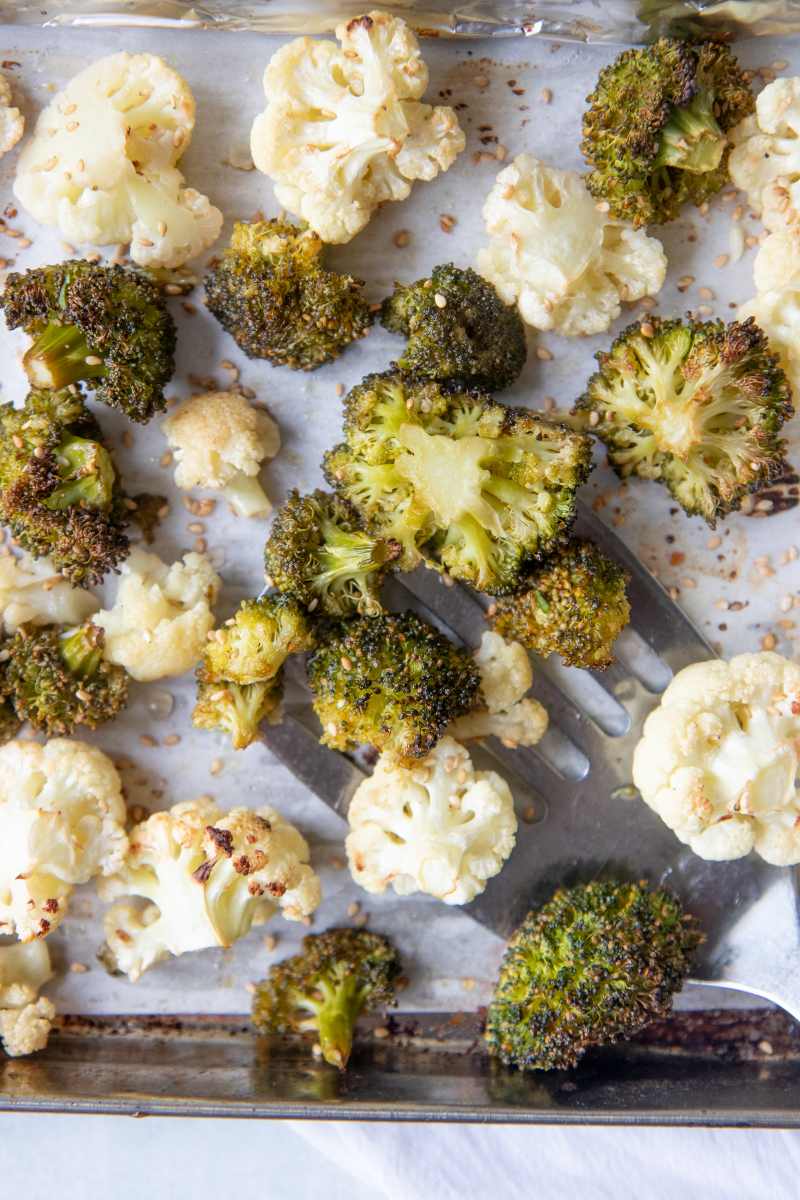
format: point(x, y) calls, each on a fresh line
point(440, 827)
point(220, 442)
point(208, 877)
point(765, 163)
point(718, 759)
point(344, 129)
point(32, 592)
point(62, 822)
point(161, 616)
point(506, 675)
point(12, 122)
point(101, 164)
point(778, 314)
point(25, 1020)
point(566, 264)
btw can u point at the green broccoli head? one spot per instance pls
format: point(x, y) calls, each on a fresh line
point(10, 724)
point(59, 491)
point(696, 405)
point(458, 330)
point(254, 644)
point(389, 681)
point(323, 990)
point(237, 709)
point(595, 964)
point(272, 295)
point(573, 604)
point(319, 553)
point(474, 487)
point(655, 131)
point(59, 678)
point(106, 326)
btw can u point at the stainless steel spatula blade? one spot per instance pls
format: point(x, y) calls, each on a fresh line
point(580, 818)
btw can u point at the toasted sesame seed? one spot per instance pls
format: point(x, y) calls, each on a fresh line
point(401, 238)
point(78, 968)
point(166, 459)
point(71, 126)
point(685, 282)
point(439, 300)
point(602, 206)
point(769, 641)
point(196, 527)
point(705, 293)
point(594, 418)
point(647, 329)
point(787, 602)
point(501, 153)
point(447, 223)
point(200, 545)
point(173, 289)
point(688, 582)
point(216, 766)
point(543, 354)
point(721, 260)
point(545, 95)
point(353, 909)
point(93, 360)
point(481, 81)
point(146, 740)
point(172, 739)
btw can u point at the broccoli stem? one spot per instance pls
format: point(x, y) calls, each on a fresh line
point(82, 650)
point(350, 556)
point(87, 474)
point(337, 1013)
point(691, 139)
point(60, 356)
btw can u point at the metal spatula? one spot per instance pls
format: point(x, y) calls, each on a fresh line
point(579, 815)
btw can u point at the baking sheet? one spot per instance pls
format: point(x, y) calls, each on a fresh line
point(450, 960)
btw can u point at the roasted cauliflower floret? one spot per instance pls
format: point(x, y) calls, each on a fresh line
point(718, 759)
point(25, 1018)
point(778, 315)
point(344, 129)
point(208, 876)
point(33, 593)
point(12, 122)
point(567, 265)
point(62, 818)
point(765, 163)
point(221, 442)
point(101, 165)
point(510, 715)
point(161, 615)
point(439, 827)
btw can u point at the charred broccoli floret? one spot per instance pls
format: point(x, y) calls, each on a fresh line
point(595, 964)
point(696, 405)
point(10, 724)
point(655, 131)
point(273, 296)
point(573, 604)
point(59, 678)
point(240, 676)
point(470, 485)
point(237, 709)
point(59, 491)
point(106, 326)
point(319, 552)
point(389, 681)
point(253, 646)
point(323, 990)
point(458, 330)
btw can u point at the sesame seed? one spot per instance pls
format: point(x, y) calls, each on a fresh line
point(688, 582)
point(401, 238)
point(166, 459)
point(705, 293)
point(787, 603)
point(545, 95)
point(270, 942)
point(78, 968)
point(481, 81)
point(173, 289)
point(447, 223)
point(71, 126)
point(380, 1032)
point(780, 64)
point(146, 740)
point(647, 329)
point(200, 545)
point(721, 260)
point(529, 814)
point(501, 153)
point(769, 641)
point(216, 766)
point(340, 389)
point(543, 354)
point(353, 909)
point(594, 418)
point(93, 360)
point(439, 300)
point(347, 663)
point(714, 542)
point(196, 527)
point(602, 206)
point(162, 228)
point(685, 282)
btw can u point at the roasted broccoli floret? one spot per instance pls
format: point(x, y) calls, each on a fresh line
point(239, 678)
point(59, 678)
point(237, 709)
point(59, 490)
point(319, 553)
point(10, 724)
point(696, 405)
point(147, 511)
point(253, 646)
point(106, 326)
point(573, 604)
point(273, 296)
point(595, 964)
point(390, 681)
point(655, 131)
point(472, 486)
point(458, 330)
point(323, 990)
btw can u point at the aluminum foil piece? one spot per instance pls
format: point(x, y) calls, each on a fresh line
point(567, 20)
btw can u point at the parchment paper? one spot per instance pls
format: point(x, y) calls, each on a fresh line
point(450, 960)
